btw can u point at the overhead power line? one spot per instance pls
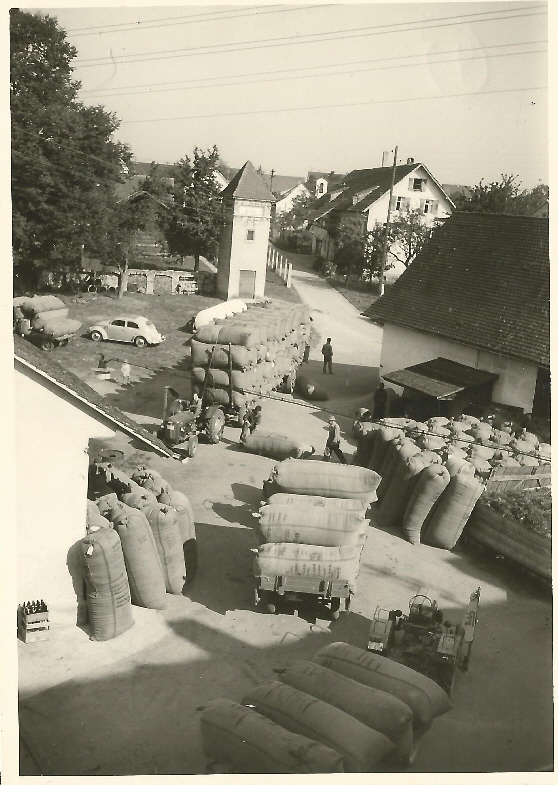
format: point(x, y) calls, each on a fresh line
point(202, 82)
point(172, 21)
point(332, 106)
point(358, 32)
point(332, 73)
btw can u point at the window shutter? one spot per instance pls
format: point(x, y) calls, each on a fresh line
point(422, 203)
point(411, 181)
point(393, 202)
point(408, 203)
point(423, 185)
point(434, 208)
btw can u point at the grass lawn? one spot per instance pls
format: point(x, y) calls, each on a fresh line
point(359, 294)
point(170, 314)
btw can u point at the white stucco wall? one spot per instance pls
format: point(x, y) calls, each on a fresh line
point(237, 252)
point(286, 203)
point(402, 347)
point(378, 210)
point(52, 437)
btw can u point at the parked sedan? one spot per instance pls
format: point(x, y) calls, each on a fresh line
point(128, 329)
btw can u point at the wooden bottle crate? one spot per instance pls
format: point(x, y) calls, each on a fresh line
point(32, 627)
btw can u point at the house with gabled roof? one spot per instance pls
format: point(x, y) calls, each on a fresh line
point(364, 194)
point(319, 183)
point(477, 296)
point(246, 205)
point(56, 418)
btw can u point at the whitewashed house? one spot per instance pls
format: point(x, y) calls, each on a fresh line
point(365, 193)
point(469, 321)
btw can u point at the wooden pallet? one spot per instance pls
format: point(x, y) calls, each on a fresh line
point(513, 478)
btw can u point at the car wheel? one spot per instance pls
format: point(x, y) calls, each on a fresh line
point(95, 335)
point(139, 341)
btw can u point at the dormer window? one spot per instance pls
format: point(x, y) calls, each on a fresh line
point(417, 184)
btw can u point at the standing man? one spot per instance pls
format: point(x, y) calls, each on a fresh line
point(333, 441)
point(125, 371)
point(327, 351)
point(380, 398)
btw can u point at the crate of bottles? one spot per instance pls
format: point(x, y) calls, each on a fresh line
point(32, 621)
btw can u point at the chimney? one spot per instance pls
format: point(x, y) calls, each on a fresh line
point(410, 160)
point(385, 158)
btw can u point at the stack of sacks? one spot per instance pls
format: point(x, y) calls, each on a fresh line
point(146, 500)
point(277, 446)
point(313, 524)
point(219, 311)
point(267, 343)
point(395, 700)
point(47, 314)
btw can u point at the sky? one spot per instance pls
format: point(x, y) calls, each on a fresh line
point(458, 86)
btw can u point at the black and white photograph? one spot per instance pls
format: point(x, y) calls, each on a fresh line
point(220, 560)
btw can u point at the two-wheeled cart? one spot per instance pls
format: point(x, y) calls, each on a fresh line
point(271, 590)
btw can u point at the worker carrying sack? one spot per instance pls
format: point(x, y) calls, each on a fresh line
point(108, 592)
point(311, 525)
point(425, 698)
point(252, 744)
point(164, 525)
point(374, 708)
point(143, 566)
point(360, 746)
point(315, 478)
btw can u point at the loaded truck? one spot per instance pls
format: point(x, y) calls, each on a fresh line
point(43, 320)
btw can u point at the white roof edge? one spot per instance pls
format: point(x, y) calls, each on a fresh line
point(102, 412)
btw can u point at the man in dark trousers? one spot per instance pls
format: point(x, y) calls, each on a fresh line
point(380, 398)
point(333, 442)
point(327, 351)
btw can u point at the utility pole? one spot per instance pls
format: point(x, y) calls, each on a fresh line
point(271, 176)
point(388, 219)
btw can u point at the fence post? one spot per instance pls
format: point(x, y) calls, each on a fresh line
point(289, 275)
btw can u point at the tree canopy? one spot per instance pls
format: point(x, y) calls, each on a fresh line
point(192, 223)
point(503, 196)
point(65, 163)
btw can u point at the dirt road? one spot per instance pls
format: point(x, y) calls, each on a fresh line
point(130, 706)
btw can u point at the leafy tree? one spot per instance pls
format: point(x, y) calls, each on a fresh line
point(350, 247)
point(408, 234)
point(504, 196)
point(192, 224)
point(64, 162)
point(298, 217)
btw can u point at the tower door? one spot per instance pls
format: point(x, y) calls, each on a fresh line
point(247, 283)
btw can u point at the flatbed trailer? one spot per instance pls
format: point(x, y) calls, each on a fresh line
point(270, 589)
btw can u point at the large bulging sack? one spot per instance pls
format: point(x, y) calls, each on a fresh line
point(314, 561)
point(273, 447)
point(309, 390)
point(374, 708)
point(185, 518)
point(316, 478)
point(240, 356)
point(227, 308)
point(143, 566)
point(94, 518)
point(41, 319)
point(32, 306)
point(310, 525)
point(164, 525)
point(108, 592)
point(360, 746)
point(252, 744)
point(138, 497)
point(399, 449)
point(56, 328)
point(426, 699)
point(318, 501)
point(452, 511)
point(381, 445)
point(429, 487)
point(224, 398)
point(392, 506)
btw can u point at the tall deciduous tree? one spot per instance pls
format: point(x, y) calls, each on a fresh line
point(64, 162)
point(503, 196)
point(193, 223)
point(408, 234)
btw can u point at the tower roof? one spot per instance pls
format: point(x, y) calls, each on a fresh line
point(248, 184)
